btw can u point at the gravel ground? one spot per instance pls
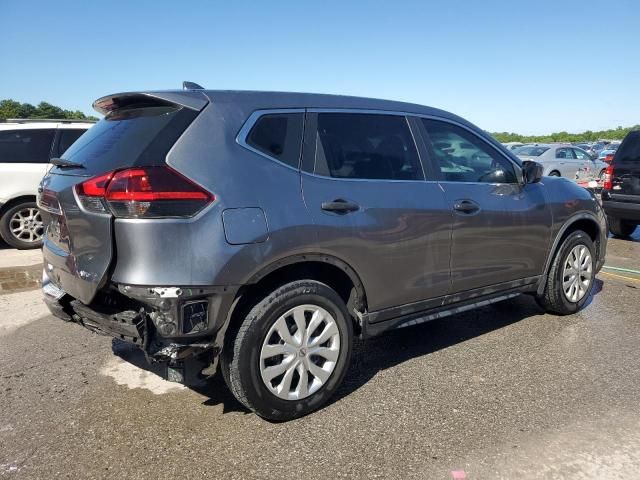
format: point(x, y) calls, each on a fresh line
point(502, 392)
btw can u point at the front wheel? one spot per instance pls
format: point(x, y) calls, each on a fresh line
point(291, 351)
point(571, 275)
point(21, 226)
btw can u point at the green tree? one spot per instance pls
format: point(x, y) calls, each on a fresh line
point(12, 109)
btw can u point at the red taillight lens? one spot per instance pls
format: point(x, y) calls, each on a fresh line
point(608, 178)
point(95, 187)
point(608, 158)
point(145, 192)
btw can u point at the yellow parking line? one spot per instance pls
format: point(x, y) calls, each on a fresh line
point(620, 276)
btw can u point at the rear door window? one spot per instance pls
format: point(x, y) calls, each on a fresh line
point(26, 146)
point(279, 136)
point(67, 137)
point(366, 146)
point(565, 153)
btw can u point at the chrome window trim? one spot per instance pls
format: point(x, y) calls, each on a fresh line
point(241, 137)
point(246, 128)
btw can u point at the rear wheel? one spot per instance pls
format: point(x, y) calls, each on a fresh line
point(21, 226)
point(571, 275)
point(291, 351)
point(621, 228)
point(555, 173)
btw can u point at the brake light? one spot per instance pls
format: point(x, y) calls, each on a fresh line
point(144, 192)
point(608, 178)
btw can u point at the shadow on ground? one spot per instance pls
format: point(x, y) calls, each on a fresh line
point(379, 353)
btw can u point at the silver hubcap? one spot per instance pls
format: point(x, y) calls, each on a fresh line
point(300, 352)
point(577, 273)
point(26, 225)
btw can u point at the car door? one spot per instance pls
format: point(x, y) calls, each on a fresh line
point(588, 170)
point(501, 227)
point(365, 189)
point(566, 163)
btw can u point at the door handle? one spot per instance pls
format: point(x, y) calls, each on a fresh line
point(339, 206)
point(466, 206)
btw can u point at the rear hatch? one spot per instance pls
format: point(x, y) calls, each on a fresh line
point(137, 132)
point(626, 170)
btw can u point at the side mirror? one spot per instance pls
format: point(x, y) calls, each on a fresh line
point(532, 172)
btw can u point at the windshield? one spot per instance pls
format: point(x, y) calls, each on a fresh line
point(531, 151)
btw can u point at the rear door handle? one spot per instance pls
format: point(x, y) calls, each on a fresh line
point(466, 206)
point(339, 206)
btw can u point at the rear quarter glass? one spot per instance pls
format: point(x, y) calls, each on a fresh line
point(128, 137)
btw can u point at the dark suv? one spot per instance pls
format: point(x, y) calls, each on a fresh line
point(621, 190)
point(266, 230)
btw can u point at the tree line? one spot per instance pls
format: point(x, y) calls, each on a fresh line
point(565, 137)
point(13, 109)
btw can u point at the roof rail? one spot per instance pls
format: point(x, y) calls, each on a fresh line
point(46, 120)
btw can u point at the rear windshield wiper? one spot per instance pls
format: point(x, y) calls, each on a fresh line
point(62, 163)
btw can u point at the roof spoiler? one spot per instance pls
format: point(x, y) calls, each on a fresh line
point(195, 100)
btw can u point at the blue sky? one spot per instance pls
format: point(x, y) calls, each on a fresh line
point(526, 66)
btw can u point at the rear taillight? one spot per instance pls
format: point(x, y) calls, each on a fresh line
point(608, 158)
point(144, 192)
point(608, 178)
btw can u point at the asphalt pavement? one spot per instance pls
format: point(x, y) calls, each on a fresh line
point(504, 392)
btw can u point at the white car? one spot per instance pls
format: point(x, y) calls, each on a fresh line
point(26, 147)
point(560, 160)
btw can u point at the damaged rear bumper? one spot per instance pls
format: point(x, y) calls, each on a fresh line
point(167, 323)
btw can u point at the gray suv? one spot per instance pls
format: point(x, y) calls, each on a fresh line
point(266, 230)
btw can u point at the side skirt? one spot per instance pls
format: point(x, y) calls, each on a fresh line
point(370, 329)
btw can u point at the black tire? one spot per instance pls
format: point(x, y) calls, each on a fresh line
point(554, 300)
point(240, 360)
point(621, 228)
point(555, 173)
point(5, 227)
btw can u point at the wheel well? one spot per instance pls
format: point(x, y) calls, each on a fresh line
point(15, 201)
point(352, 293)
point(588, 226)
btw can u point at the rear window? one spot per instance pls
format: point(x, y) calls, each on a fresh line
point(278, 136)
point(531, 151)
point(629, 150)
point(365, 146)
point(26, 146)
point(129, 137)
